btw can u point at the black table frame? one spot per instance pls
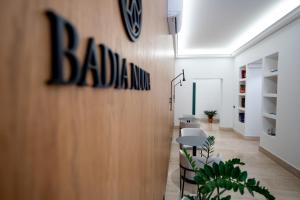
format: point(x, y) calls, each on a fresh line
point(194, 148)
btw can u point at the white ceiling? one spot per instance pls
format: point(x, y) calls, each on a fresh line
point(219, 27)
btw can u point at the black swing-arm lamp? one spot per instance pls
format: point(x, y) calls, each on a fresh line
point(175, 90)
point(183, 79)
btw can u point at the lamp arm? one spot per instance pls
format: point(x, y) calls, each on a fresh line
point(174, 89)
point(172, 86)
point(183, 79)
point(176, 77)
point(171, 91)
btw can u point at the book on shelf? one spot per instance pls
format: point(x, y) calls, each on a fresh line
point(243, 73)
point(242, 88)
point(243, 102)
point(242, 117)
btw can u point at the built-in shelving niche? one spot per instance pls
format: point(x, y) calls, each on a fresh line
point(270, 83)
point(249, 98)
point(242, 93)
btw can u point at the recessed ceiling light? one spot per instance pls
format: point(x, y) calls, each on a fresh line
point(278, 11)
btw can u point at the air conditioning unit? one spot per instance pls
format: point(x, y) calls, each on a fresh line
point(174, 16)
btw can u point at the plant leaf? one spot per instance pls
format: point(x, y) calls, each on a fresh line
point(228, 169)
point(235, 187)
point(222, 168)
point(251, 182)
point(243, 176)
point(209, 171)
point(216, 169)
point(228, 185)
point(235, 172)
point(226, 198)
point(241, 188)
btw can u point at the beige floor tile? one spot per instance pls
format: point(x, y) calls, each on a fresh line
point(282, 184)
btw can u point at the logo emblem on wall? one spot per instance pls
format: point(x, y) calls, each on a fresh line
point(131, 11)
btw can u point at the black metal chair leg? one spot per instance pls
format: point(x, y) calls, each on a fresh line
point(180, 177)
point(180, 182)
point(183, 183)
point(182, 188)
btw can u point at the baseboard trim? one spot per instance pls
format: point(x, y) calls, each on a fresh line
point(251, 138)
point(281, 162)
point(225, 129)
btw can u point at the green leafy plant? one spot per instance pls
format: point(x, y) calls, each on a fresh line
point(208, 148)
point(213, 180)
point(210, 113)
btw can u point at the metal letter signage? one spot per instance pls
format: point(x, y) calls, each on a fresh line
point(131, 11)
point(58, 28)
point(108, 68)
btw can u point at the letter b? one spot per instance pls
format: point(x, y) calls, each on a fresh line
point(58, 25)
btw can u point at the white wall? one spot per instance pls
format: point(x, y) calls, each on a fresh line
point(208, 96)
point(286, 144)
point(253, 125)
point(203, 68)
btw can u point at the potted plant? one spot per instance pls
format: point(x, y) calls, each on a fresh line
point(215, 179)
point(210, 114)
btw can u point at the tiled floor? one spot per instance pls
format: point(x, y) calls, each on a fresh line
point(282, 184)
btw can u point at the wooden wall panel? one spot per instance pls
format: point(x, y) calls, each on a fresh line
point(81, 143)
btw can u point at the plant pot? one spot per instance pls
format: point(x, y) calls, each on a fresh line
point(210, 120)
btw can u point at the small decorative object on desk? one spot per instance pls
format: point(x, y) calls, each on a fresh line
point(210, 114)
